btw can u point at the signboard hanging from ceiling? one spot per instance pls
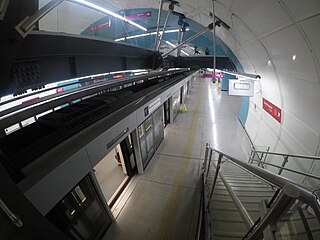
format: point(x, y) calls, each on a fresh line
point(241, 88)
point(101, 26)
point(138, 16)
point(272, 109)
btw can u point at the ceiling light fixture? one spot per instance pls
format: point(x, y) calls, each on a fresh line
point(146, 34)
point(172, 45)
point(104, 10)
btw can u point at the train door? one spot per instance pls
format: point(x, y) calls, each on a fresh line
point(151, 133)
point(188, 87)
point(176, 104)
point(128, 156)
point(146, 141)
point(81, 214)
point(157, 119)
point(115, 170)
point(166, 112)
point(19, 219)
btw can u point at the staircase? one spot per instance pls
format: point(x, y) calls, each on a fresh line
point(234, 206)
point(226, 221)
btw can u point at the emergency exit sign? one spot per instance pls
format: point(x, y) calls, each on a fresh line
point(272, 109)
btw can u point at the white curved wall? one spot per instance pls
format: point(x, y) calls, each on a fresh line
point(265, 36)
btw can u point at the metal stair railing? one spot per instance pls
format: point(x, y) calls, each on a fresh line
point(203, 227)
point(284, 200)
point(262, 157)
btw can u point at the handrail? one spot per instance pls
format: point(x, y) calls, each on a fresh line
point(285, 157)
point(305, 195)
point(290, 155)
point(203, 231)
point(199, 231)
point(286, 199)
point(243, 212)
point(291, 170)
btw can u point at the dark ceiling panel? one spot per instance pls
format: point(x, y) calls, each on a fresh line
point(46, 58)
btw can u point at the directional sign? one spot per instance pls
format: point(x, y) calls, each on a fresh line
point(101, 26)
point(272, 109)
point(138, 16)
point(211, 75)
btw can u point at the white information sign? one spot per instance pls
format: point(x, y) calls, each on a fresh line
point(241, 87)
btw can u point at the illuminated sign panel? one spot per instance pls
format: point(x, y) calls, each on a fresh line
point(241, 87)
point(101, 26)
point(138, 16)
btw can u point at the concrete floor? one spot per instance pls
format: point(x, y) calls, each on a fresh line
point(163, 203)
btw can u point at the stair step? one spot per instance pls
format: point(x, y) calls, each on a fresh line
point(242, 181)
point(225, 227)
point(248, 188)
point(236, 176)
point(253, 190)
point(225, 215)
point(219, 235)
point(257, 195)
point(224, 198)
point(253, 185)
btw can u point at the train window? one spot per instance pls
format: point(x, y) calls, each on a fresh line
point(28, 121)
point(12, 128)
point(148, 124)
point(44, 113)
point(141, 131)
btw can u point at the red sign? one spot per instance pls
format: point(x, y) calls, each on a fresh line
point(219, 75)
point(101, 26)
point(138, 16)
point(118, 76)
point(272, 109)
point(211, 75)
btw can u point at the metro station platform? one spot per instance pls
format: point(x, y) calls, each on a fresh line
point(162, 203)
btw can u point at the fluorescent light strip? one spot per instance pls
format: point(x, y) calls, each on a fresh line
point(185, 53)
point(146, 34)
point(104, 10)
point(57, 97)
point(172, 45)
point(100, 74)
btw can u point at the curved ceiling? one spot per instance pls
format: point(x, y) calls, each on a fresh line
point(280, 41)
point(276, 39)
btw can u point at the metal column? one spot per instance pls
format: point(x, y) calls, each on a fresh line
point(206, 29)
point(170, 10)
point(158, 24)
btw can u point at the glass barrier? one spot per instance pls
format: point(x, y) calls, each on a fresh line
point(298, 223)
